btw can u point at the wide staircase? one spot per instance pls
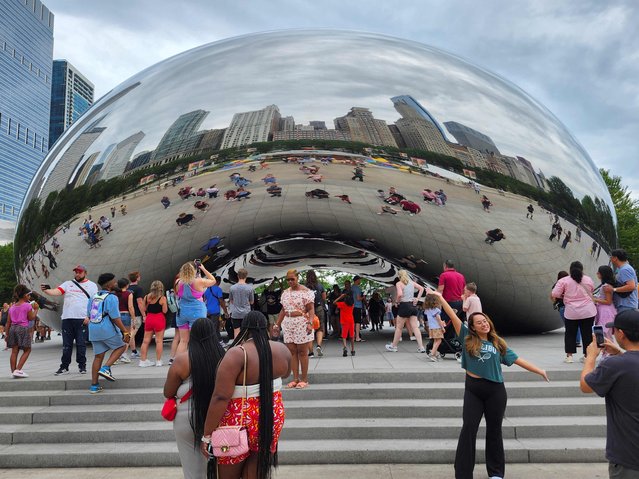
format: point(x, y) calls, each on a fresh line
point(353, 417)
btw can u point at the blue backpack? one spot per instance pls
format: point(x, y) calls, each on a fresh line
point(97, 314)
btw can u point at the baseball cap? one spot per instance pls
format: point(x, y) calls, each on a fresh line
point(627, 320)
point(80, 267)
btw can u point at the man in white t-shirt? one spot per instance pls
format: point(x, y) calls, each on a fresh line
point(77, 294)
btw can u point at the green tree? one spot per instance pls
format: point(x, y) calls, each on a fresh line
point(627, 210)
point(7, 273)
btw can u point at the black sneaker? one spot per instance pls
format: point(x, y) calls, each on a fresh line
point(83, 370)
point(61, 371)
point(352, 353)
point(345, 352)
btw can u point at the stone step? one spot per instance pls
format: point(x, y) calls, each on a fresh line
point(164, 453)
point(346, 408)
point(316, 429)
point(74, 382)
point(431, 390)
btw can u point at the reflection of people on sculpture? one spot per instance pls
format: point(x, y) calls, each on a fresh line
point(316, 178)
point(212, 191)
point(52, 261)
point(387, 209)
point(123, 210)
point(201, 205)
point(578, 234)
point(56, 245)
point(393, 197)
point(410, 206)
point(185, 192)
point(230, 195)
point(428, 195)
point(494, 235)
point(274, 190)
point(567, 239)
point(105, 224)
point(295, 320)
point(263, 165)
point(344, 198)
point(113, 209)
point(165, 202)
point(242, 193)
point(317, 193)
point(531, 210)
point(252, 168)
point(358, 174)
point(200, 192)
point(485, 202)
point(441, 196)
point(269, 178)
point(184, 219)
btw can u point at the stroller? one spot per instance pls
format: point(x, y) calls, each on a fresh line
point(450, 344)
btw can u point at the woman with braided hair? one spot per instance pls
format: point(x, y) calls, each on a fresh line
point(267, 362)
point(193, 373)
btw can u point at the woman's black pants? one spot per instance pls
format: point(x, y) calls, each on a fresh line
point(570, 336)
point(488, 399)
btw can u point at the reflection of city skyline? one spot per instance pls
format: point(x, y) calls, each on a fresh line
point(415, 129)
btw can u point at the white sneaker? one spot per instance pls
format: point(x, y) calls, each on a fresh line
point(146, 363)
point(401, 339)
point(432, 358)
point(421, 350)
point(159, 364)
point(125, 359)
point(413, 338)
point(569, 359)
point(582, 359)
point(19, 373)
point(391, 348)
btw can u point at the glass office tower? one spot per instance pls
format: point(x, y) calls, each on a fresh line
point(71, 96)
point(26, 56)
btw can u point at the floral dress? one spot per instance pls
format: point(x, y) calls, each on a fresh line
point(294, 328)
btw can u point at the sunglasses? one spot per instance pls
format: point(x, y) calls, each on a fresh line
point(291, 279)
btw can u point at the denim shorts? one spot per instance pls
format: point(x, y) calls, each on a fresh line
point(110, 344)
point(126, 319)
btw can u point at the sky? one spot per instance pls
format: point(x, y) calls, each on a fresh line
point(578, 58)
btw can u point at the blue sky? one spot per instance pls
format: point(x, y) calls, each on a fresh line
point(580, 59)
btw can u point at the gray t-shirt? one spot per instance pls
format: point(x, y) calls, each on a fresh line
point(624, 274)
point(617, 379)
point(240, 297)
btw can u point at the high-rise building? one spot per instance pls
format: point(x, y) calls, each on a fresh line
point(361, 126)
point(71, 96)
point(253, 127)
point(178, 135)
point(26, 57)
point(318, 125)
point(468, 137)
point(311, 134)
point(409, 108)
point(116, 163)
point(287, 123)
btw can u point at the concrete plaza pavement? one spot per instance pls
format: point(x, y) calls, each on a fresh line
point(363, 471)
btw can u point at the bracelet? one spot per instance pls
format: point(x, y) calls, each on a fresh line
point(206, 439)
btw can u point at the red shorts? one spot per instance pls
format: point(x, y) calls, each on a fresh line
point(348, 327)
point(233, 415)
point(155, 322)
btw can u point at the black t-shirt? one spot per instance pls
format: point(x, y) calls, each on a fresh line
point(137, 292)
point(273, 305)
point(617, 379)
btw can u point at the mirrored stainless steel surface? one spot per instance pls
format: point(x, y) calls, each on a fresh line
point(333, 119)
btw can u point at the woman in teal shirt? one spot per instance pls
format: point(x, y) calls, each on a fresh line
point(483, 353)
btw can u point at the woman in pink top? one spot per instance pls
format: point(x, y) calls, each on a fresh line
point(17, 330)
point(576, 291)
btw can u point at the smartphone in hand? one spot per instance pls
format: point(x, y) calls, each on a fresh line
point(599, 335)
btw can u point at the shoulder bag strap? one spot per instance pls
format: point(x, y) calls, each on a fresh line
point(588, 293)
point(244, 386)
point(83, 290)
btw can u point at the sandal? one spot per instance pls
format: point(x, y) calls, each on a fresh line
point(301, 385)
point(292, 385)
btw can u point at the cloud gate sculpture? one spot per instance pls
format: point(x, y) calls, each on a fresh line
point(320, 149)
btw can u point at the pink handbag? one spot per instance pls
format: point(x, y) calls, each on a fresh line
point(232, 441)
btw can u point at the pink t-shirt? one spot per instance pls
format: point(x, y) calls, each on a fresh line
point(19, 314)
point(576, 296)
point(454, 283)
point(472, 304)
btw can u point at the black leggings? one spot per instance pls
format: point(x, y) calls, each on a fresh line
point(481, 398)
point(570, 336)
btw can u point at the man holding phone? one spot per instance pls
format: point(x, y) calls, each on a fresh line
point(617, 380)
point(77, 294)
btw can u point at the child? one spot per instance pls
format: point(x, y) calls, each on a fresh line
point(17, 335)
point(435, 325)
point(471, 302)
point(345, 305)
